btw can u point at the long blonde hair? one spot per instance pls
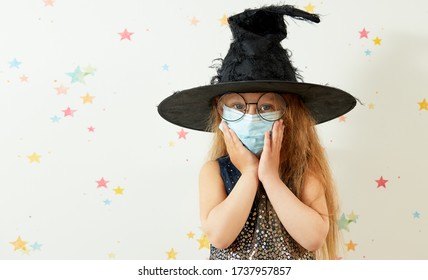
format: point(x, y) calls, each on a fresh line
point(301, 152)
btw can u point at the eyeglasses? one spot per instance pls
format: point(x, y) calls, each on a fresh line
point(270, 106)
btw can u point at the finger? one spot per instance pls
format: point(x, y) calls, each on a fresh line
point(267, 143)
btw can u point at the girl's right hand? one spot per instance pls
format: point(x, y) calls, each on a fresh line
point(240, 156)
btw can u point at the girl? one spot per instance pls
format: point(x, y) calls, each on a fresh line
point(267, 192)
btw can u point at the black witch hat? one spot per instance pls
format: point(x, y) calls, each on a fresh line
point(256, 62)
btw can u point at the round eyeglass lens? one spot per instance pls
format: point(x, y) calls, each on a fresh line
point(231, 106)
point(271, 106)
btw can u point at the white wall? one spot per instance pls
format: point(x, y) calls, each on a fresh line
point(55, 204)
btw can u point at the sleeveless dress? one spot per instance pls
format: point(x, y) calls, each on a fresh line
point(263, 236)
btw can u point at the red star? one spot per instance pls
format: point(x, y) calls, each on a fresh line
point(102, 183)
point(381, 182)
point(182, 134)
point(125, 34)
point(364, 33)
point(91, 129)
point(69, 112)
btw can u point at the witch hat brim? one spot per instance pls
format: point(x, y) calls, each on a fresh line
point(191, 108)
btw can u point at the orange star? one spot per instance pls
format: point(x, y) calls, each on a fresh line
point(351, 246)
point(423, 105)
point(194, 21)
point(19, 244)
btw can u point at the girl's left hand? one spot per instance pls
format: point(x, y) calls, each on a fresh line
point(270, 157)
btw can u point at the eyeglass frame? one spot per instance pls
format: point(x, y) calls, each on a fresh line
point(247, 107)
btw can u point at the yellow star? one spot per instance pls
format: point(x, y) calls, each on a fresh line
point(350, 246)
point(19, 244)
point(371, 106)
point(111, 255)
point(87, 98)
point(118, 190)
point(223, 21)
point(377, 40)
point(34, 158)
point(172, 254)
point(353, 217)
point(171, 144)
point(203, 242)
point(423, 105)
point(190, 235)
point(309, 8)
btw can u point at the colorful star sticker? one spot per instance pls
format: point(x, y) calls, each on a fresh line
point(368, 52)
point(172, 254)
point(34, 158)
point(55, 119)
point(309, 8)
point(343, 223)
point(364, 33)
point(14, 63)
point(91, 129)
point(223, 21)
point(203, 242)
point(371, 106)
point(416, 215)
point(351, 246)
point(87, 98)
point(194, 21)
point(377, 41)
point(89, 70)
point(107, 202)
point(102, 183)
point(49, 3)
point(24, 79)
point(36, 246)
point(381, 182)
point(118, 190)
point(19, 244)
point(182, 134)
point(125, 35)
point(342, 118)
point(190, 235)
point(77, 76)
point(69, 112)
point(61, 89)
point(171, 144)
point(352, 217)
point(423, 105)
point(111, 255)
point(165, 67)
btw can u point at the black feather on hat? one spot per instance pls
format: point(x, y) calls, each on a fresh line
point(256, 62)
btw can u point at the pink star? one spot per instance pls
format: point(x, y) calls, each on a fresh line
point(102, 183)
point(182, 134)
point(125, 34)
point(69, 112)
point(364, 33)
point(381, 182)
point(61, 90)
point(24, 78)
point(49, 2)
point(91, 129)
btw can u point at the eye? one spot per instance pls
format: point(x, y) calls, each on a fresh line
point(266, 108)
point(239, 106)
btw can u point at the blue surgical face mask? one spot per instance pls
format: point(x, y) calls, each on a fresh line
point(250, 129)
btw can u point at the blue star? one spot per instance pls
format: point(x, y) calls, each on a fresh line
point(77, 75)
point(368, 52)
point(165, 67)
point(14, 63)
point(36, 246)
point(55, 119)
point(107, 202)
point(416, 215)
point(343, 223)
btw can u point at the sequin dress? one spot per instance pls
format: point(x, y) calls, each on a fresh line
point(263, 236)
